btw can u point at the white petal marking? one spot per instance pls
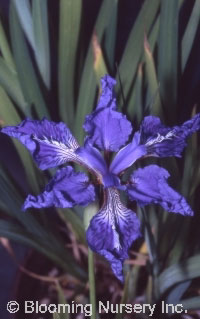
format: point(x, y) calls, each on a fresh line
point(161, 138)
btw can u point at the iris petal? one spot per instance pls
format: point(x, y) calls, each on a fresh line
point(107, 128)
point(149, 186)
point(107, 97)
point(128, 155)
point(165, 141)
point(95, 162)
point(92, 158)
point(66, 189)
point(112, 231)
point(50, 143)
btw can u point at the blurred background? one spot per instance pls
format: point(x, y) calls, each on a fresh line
point(53, 54)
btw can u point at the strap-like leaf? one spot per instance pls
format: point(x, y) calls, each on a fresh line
point(134, 47)
point(191, 303)
point(153, 86)
point(56, 316)
point(189, 34)
point(177, 273)
point(99, 62)
point(24, 13)
point(135, 107)
point(177, 292)
point(25, 70)
point(70, 216)
point(5, 48)
point(62, 300)
point(41, 36)
point(10, 116)
point(70, 18)
point(168, 55)
point(10, 82)
point(110, 38)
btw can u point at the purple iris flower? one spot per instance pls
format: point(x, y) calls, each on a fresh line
point(114, 228)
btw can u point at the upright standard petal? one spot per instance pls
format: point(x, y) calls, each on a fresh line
point(50, 143)
point(108, 97)
point(66, 189)
point(148, 185)
point(165, 141)
point(92, 159)
point(128, 155)
point(112, 231)
point(107, 128)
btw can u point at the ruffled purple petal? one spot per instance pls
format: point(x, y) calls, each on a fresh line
point(66, 189)
point(148, 185)
point(107, 97)
point(107, 128)
point(51, 144)
point(165, 141)
point(115, 263)
point(128, 155)
point(112, 231)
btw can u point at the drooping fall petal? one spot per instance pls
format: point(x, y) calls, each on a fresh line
point(149, 186)
point(66, 189)
point(112, 231)
point(163, 141)
point(51, 144)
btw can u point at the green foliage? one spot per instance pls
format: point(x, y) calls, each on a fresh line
point(69, 23)
point(168, 54)
point(56, 316)
point(151, 69)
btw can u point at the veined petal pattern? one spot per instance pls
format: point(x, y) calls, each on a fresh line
point(51, 144)
point(112, 231)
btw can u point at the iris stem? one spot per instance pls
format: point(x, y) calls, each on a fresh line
point(92, 282)
point(89, 212)
point(151, 246)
